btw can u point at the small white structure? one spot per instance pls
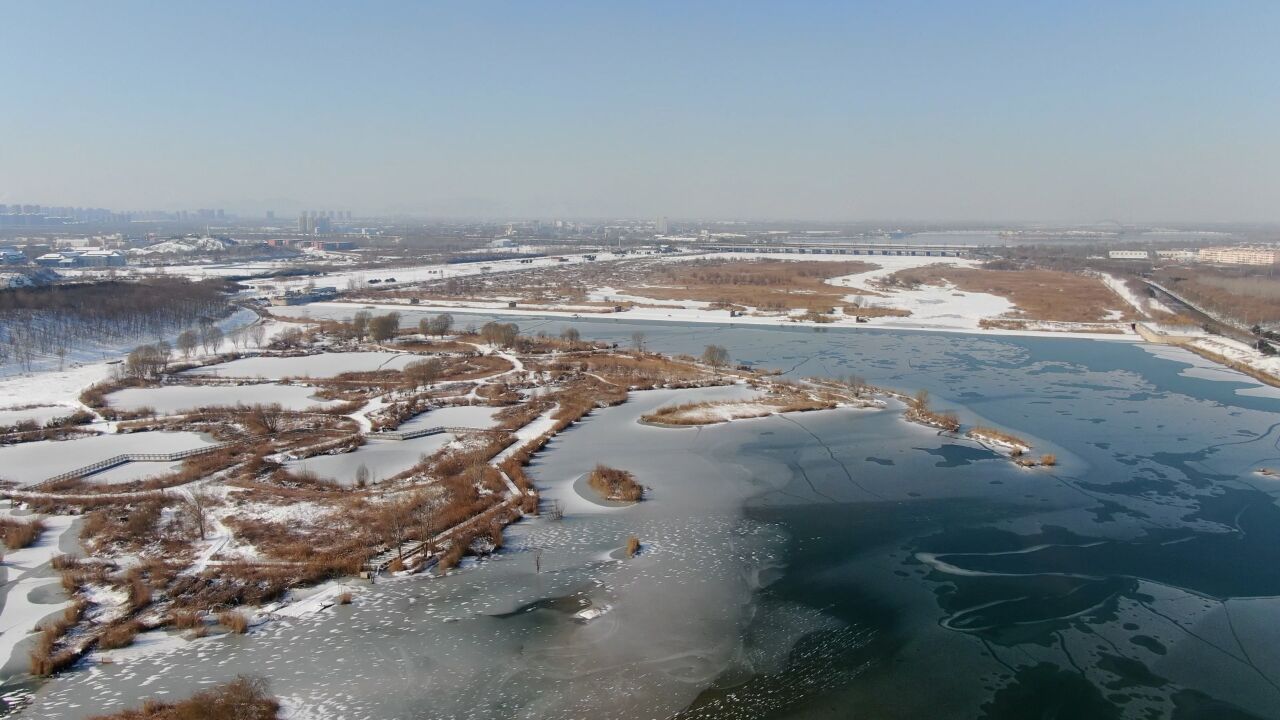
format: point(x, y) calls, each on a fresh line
point(1178, 255)
point(1129, 255)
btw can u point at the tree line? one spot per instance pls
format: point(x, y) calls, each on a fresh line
point(50, 321)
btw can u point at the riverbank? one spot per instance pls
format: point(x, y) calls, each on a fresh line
point(704, 316)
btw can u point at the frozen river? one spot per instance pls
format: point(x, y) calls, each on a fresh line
point(836, 564)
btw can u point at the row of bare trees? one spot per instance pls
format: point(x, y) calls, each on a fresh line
point(51, 321)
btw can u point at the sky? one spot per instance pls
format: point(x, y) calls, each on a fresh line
point(1083, 112)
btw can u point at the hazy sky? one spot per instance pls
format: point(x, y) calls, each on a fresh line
point(882, 110)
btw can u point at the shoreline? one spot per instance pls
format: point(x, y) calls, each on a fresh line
point(765, 321)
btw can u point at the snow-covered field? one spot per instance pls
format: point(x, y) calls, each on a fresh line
point(933, 308)
point(317, 366)
point(418, 273)
point(37, 461)
point(930, 306)
point(175, 398)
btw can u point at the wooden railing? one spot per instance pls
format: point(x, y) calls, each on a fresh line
point(127, 458)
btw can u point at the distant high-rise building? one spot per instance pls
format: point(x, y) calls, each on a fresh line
point(660, 225)
point(271, 214)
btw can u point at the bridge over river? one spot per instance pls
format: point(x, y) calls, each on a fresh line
point(947, 250)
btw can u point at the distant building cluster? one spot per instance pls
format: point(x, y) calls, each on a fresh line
point(42, 216)
point(1240, 255)
point(82, 258)
point(1237, 255)
point(320, 222)
point(302, 297)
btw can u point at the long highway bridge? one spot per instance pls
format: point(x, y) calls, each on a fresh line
point(842, 249)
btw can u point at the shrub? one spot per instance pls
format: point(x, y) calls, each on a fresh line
point(345, 598)
point(615, 484)
point(242, 699)
point(19, 534)
point(233, 621)
point(119, 635)
point(185, 620)
point(1049, 459)
point(633, 546)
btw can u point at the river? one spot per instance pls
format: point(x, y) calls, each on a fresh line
point(835, 564)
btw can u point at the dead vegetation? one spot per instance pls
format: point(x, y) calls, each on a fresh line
point(772, 285)
point(19, 534)
point(614, 484)
point(242, 699)
point(1042, 295)
point(918, 411)
point(983, 433)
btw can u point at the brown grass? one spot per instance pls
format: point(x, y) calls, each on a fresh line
point(775, 285)
point(614, 484)
point(633, 546)
point(981, 431)
point(19, 534)
point(234, 621)
point(1048, 459)
point(242, 699)
point(1049, 295)
point(119, 635)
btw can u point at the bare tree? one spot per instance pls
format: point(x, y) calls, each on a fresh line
point(210, 338)
point(395, 520)
point(198, 503)
point(258, 332)
point(384, 327)
point(442, 324)
point(500, 334)
point(423, 372)
point(187, 342)
point(571, 336)
point(360, 324)
point(716, 356)
point(637, 340)
point(266, 419)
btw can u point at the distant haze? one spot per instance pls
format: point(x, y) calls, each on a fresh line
point(1056, 112)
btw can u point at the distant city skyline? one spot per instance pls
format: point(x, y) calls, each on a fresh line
point(913, 112)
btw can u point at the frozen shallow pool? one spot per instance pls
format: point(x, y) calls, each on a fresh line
point(383, 458)
point(37, 461)
point(41, 415)
point(175, 398)
point(132, 471)
point(466, 416)
point(323, 365)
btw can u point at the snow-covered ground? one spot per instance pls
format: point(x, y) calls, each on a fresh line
point(933, 308)
point(30, 596)
point(418, 273)
point(34, 462)
point(322, 365)
point(175, 398)
point(1206, 369)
